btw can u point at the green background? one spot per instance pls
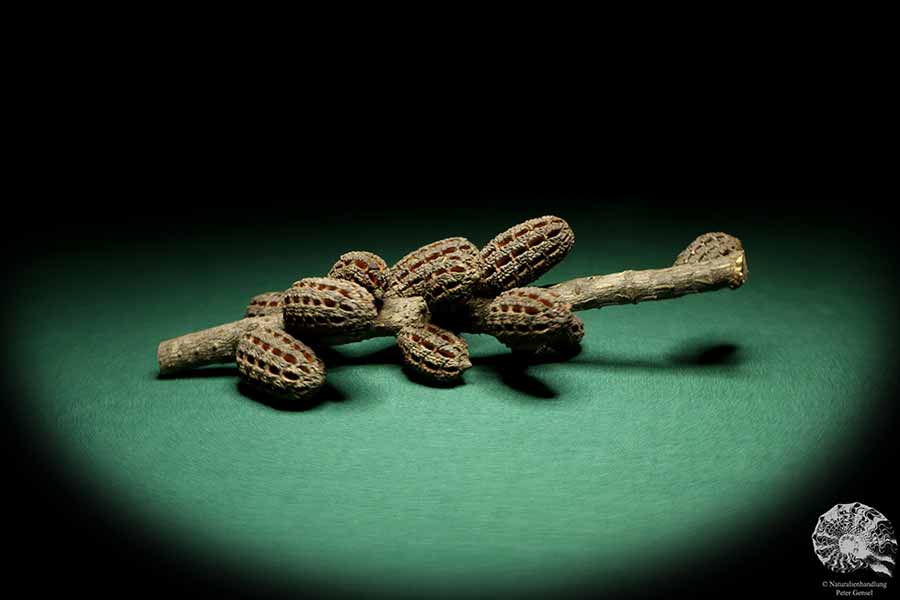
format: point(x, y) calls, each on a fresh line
point(681, 424)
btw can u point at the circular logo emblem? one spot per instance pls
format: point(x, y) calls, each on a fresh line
point(854, 536)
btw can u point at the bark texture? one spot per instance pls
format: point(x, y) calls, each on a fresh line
point(209, 346)
point(631, 287)
point(217, 345)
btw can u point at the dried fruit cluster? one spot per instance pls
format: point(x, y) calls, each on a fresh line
point(432, 295)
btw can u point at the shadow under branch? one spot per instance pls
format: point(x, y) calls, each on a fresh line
point(512, 367)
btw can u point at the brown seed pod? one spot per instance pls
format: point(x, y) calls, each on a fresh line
point(524, 252)
point(528, 318)
point(268, 303)
point(365, 268)
point(441, 271)
point(570, 335)
point(563, 344)
point(272, 361)
point(433, 352)
point(709, 246)
point(320, 306)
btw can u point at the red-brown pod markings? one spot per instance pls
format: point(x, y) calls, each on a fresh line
point(320, 306)
point(529, 317)
point(521, 254)
point(272, 361)
point(365, 268)
point(268, 303)
point(433, 352)
point(441, 271)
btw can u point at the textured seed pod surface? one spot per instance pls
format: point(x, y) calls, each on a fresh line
point(433, 352)
point(528, 317)
point(365, 268)
point(279, 365)
point(268, 303)
point(709, 246)
point(320, 306)
point(561, 344)
point(524, 252)
point(439, 272)
point(571, 334)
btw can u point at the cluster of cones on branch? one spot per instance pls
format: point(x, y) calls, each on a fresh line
point(427, 299)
